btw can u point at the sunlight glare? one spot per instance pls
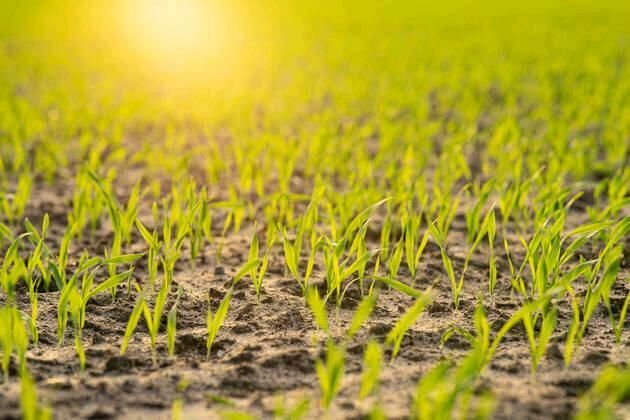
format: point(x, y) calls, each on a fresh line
point(175, 34)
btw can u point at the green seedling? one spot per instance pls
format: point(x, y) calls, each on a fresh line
point(257, 274)
point(602, 276)
point(132, 323)
point(448, 391)
point(538, 345)
point(330, 372)
point(397, 333)
point(13, 339)
point(446, 213)
point(195, 214)
point(483, 348)
point(447, 388)
point(114, 252)
point(512, 200)
point(153, 254)
point(318, 309)
point(292, 258)
point(604, 398)
point(172, 241)
point(153, 318)
point(359, 247)
point(385, 236)
point(37, 271)
point(473, 215)
point(36, 265)
point(6, 234)
point(339, 270)
point(246, 269)
point(200, 230)
point(395, 259)
point(572, 333)
point(13, 205)
point(171, 323)
point(177, 408)
point(80, 289)
point(316, 243)
point(377, 413)
point(122, 219)
point(357, 223)
point(363, 312)
point(397, 285)
point(235, 214)
point(69, 291)
point(74, 300)
point(413, 251)
point(166, 251)
point(599, 290)
point(89, 201)
point(435, 394)
point(130, 213)
point(215, 321)
point(439, 236)
point(372, 361)
point(611, 196)
point(31, 409)
point(623, 313)
point(59, 270)
point(544, 254)
point(492, 259)
point(13, 268)
point(283, 411)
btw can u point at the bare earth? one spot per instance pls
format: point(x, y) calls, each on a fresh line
point(268, 350)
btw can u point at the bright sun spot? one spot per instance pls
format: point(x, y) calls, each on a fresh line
point(175, 34)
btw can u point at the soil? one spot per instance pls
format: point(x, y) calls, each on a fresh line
point(267, 350)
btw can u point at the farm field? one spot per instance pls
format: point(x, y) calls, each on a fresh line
point(314, 209)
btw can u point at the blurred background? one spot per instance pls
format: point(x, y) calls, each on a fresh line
point(229, 60)
point(195, 43)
